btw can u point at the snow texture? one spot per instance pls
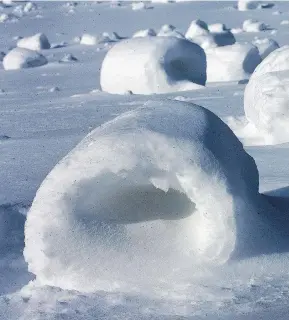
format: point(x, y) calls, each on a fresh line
point(231, 63)
point(153, 65)
point(20, 58)
point(167, 184)
point(37, 42)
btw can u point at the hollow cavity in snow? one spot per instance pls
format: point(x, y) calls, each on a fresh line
point(163, 187)
point(37, 42)
point(20, 58)
point(231, 63)
point(153, 65)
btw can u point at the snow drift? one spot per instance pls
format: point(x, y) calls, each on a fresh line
point(266, 99)
point(37, 42)
point(153, 65)
point(161, 188)
point(20, 58)
point(231, 63)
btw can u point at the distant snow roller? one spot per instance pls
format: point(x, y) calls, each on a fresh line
point(160, 188)
point(149, 65)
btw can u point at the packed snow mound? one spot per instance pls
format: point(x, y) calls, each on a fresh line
point(254, 26)
point(20, 58)
point(144, 33)
point(244, 5)
point(266, 104)
point(37, 42)
point(265, 46)
point(278, 60)
point(231, 63)
point(153, 65)
point(209, 36)
point(165, 186)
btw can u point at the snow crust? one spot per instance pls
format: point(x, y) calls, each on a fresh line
point(20, 58)
point(37, 42)
point(164, 186)
point(231, 63)
point(153, 65)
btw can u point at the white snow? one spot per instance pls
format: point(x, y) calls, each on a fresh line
point(265, 46)
point(153, 65)
point(168, 177)
point(88, 39)
point(37, 42)
point(20, 58)
point(138, 5)
point(231, 63)
point(252, 25)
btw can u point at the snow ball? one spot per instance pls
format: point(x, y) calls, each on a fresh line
point(153, 65)
point(37, 42)
point(159, 188)
point(284, 22)
point(68, 58)
point(20, 58)
point(265, 46)
point(144, 33)
point(244, 5)
point(251, 25)
point(199, 33)
point(138, 6)
point(54, 89)
point(8, 18)
point(236, 30)
point(266, 99)
point(217, 27)
point(88, 39)
point(231, 63)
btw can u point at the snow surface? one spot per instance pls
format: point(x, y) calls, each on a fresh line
point(37, 42)
point(146, 65)
point(47, 111)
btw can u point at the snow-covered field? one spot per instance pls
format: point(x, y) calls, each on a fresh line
point(137, 204)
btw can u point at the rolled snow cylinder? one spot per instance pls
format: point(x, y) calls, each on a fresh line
point(20, 58)
point(157, 189)
point(244, 5)
point(265, 46)
point(153, 65)
point(231, 63)
point(37, 42)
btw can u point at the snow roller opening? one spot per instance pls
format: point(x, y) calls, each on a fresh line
point(150, 65)
point(162, 188)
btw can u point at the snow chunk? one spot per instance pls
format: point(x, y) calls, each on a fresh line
point(231, 63)
point(145, 33)
point(88, 39)
point(37, 42)
point(265, 46)
point(251, 25)
point(244, 5)
point(20, 58)
point(158, 188)
point(153, 65)
point(266, 99)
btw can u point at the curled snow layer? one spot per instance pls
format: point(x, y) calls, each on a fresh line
point(162, 187)
point(265, 46)
point(231, 63)
point(37, 42)
point(266, 100)
point(153, 65)
point(20, 58)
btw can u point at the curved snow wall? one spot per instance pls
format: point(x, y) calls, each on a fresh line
point(157, 189)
